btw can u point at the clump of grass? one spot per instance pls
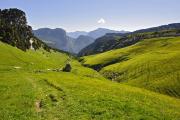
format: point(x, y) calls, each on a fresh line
point(53, 98)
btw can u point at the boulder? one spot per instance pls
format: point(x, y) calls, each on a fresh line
point(67, 68)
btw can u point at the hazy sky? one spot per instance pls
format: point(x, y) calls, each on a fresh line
point(86, 15)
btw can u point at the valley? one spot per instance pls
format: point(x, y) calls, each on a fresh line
point(109, 76)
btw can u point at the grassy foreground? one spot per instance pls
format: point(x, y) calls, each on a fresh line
point(153, 64)
point(30, 89)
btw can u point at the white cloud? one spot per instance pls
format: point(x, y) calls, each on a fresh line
point(101, 21)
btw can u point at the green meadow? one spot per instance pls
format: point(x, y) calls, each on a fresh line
point(33, 88)
point(30, 88)
point(153, 64)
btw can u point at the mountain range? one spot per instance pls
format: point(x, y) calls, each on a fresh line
point(103, 31)
point(76, 34)
point(72, 42)
point(118, 40)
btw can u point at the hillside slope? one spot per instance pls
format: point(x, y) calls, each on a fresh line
point(117, 40)
point(81, 42)
point(153, 64)
point(32, 88)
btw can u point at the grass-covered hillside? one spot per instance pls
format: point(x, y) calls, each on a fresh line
point(153, 64)
point(32, 88)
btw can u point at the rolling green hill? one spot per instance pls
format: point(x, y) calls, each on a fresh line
point(31, 88)
point(153, 64)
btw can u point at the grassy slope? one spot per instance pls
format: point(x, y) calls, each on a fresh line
point(33, 92)
point(153, 64)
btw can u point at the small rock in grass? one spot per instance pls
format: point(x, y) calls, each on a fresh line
point(67, 68)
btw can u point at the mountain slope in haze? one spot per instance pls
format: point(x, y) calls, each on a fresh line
point(102, 31)
point(118, 40)
point(100, 45)
point(55, 38)
point(44, 93)
point(99, 32)
point(81, 42)
point(59, 39)
point(76, 34)
point(152, 64)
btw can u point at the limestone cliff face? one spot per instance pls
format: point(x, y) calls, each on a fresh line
point(15, 31)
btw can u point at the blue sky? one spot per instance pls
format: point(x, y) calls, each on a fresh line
point(86, 15)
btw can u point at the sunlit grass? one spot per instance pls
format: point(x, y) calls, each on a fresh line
point(152, 64)
point(30, 89)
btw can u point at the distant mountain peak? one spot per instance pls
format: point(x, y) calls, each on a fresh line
point(76, 34)
point(99, 32)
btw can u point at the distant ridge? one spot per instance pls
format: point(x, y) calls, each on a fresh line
point(117, 40)
point(71, 42)
point(76, 34)
point(99, 32)
point(160, 28)
point(102, 31)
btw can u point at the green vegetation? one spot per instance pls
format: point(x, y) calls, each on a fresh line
point(43, 83)
point(153, 64)
point(32, 87)
point(15, 31)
